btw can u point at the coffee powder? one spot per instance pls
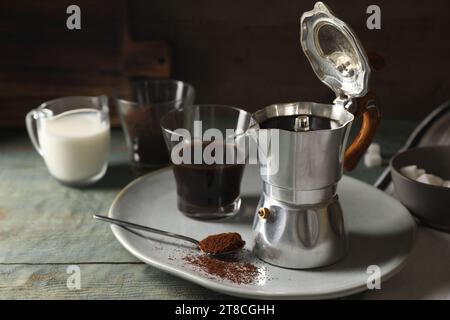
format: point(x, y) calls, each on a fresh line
point(236, 272)
point(221, 243)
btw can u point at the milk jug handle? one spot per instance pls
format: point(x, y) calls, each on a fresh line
point(367, 107)
point(30, 121)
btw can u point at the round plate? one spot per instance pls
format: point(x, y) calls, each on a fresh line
point(380, 230)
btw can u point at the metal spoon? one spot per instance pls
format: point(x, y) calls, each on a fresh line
point(126, 225)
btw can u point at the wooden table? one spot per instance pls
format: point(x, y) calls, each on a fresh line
point(46, 227)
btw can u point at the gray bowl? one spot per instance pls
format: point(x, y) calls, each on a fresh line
point(430, 204)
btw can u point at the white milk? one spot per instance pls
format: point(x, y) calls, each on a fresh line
point(75, 145)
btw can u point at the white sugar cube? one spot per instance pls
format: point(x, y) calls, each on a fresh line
point(430, 179)
point(372, 160)
point(412, 172)
point(446, 184)
point(374, 148)
point(420, 172)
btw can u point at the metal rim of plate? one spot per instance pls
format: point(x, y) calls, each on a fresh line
point(228, 290)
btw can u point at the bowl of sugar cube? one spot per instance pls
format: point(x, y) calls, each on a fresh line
point(421, 178)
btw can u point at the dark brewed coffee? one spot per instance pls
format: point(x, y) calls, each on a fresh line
point(288, 123)
point(208, 187)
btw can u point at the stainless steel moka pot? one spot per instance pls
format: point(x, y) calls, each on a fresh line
point(299, 222)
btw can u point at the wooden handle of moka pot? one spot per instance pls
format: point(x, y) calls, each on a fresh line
point(367, 107)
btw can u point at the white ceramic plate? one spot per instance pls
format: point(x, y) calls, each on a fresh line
point(381, 232)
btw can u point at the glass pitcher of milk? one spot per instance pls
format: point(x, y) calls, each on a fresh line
point(72, 135)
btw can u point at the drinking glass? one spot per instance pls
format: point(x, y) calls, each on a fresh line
point(140, 110)
point(207, 146)
point(72, 135)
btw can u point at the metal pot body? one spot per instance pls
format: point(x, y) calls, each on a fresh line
point(299, 221)
point(302, 167)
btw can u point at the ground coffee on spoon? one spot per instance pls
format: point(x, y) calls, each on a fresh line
point(222, 243)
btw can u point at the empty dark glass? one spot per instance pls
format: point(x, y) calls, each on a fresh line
point(140, 108)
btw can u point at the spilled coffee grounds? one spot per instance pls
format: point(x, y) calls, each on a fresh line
point(237, 272)
point(232, 270)
point(221, 243)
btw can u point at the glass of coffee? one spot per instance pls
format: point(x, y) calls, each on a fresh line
point(208, 150)
point(140, 105)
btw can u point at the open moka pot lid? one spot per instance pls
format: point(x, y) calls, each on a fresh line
point(334, 52)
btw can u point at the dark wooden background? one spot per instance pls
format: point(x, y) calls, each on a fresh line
point(244, 53)
point(247, 53)
point(40, 59)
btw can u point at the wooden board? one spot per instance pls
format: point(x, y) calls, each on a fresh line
point(98, 281)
